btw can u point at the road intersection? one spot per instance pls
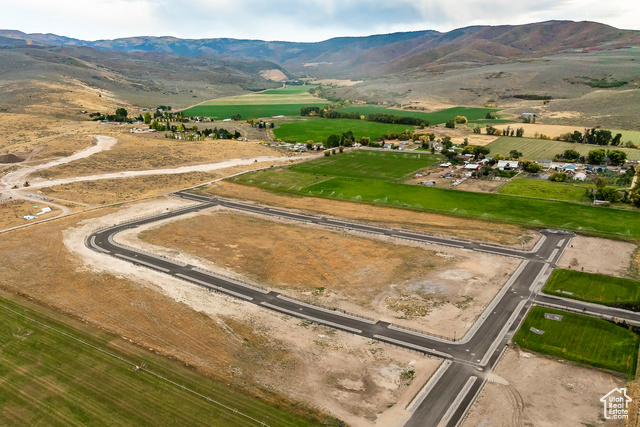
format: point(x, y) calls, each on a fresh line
point(448, 396)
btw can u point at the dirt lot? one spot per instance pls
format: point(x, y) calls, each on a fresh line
point(13, 211)
point(243, 345)
point(532, 390)
point(133, 152)
point(109, 191)
point(500, 234)
point(614, 258)
point(436, 289)
point(49, 137)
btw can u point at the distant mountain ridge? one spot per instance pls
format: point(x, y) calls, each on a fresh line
point(377, 55)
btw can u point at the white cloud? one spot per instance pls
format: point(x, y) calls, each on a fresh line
point(305, 20)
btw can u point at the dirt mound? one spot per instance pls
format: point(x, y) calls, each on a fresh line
point(10, 158)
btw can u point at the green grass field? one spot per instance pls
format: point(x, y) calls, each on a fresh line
point(597, 288)
point(288, 90)
point(221, 112)
point(534, 149)
point(583, 339)
point(545, 189)
point(377, 165)
point(434, 118)
point(628, 135)
point(495, 207)
point(318, 129)
point(47, 378)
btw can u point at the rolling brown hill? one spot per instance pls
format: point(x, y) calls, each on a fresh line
point(384, 54)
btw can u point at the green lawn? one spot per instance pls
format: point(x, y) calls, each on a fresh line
point(377, 165)
point(318, 129)
point(628, 135)
point(596, 288)
point(545, 189)
point(220, 112)
point(434, 118)
point(534, 149)
point(47, 378)
point(583, 339)
point(495, 207)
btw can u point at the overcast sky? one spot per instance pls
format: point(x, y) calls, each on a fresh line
point(304, 20)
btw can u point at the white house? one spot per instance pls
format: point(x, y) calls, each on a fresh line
point(507, 164)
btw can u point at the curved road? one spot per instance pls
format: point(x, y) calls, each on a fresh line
point(448, 396)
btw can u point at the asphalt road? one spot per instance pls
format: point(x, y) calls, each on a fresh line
point(472, 356)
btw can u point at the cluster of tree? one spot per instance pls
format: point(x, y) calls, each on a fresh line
point(592, 136)
point(452, 155)
point(310, 110)
point(121, 115)
point(395, 119)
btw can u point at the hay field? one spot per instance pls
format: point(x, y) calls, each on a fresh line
point(534, 149)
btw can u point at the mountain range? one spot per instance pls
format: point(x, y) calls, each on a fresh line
point(376, 55)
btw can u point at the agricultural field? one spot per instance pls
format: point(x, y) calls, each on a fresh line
point(318, 129)
point(534, 149)
point(494, 207)
point(545, 189)
point(288, 90)
point(582, 339)
point(53, 372)
point(596, 288)
point(434, 118)
point(377, 165)
point(277, 102)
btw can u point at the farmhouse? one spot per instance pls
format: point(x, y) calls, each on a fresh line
point(470, 167)
point(506, 165)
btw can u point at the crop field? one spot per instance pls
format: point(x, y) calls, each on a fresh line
point(221, 112)
point(434, 118)
point(534, 149)
point(278, 102)
point(318, 129)
point(291, 89)
point(597, 288)
point(377, 165)
point(582, 339)
point(494, 207)
point(544, 189)
point(49, 378)
point(629, 135)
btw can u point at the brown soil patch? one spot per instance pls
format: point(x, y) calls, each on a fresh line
point(247, 347)
point(531, 390)
point(502, 234)
point(601, 256)
point(430, 287)
point(12, 212)
point(107, 191)
point(134, 152)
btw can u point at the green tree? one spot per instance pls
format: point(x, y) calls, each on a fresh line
point(121, 113)
point(333, 140)
point(476, 129)
point(610, 194)
point(600, 183)
point(451, 124)
point(490, 130)
point(480, 152)
point(570, 155)
point(147, 118)
point(559, 177)
point(616, 139)
point(515, 154)
point(595, 157)
point(531, 167)
point(617, 157)
point(520, 132)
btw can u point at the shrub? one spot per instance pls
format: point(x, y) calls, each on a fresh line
point(559, 177)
